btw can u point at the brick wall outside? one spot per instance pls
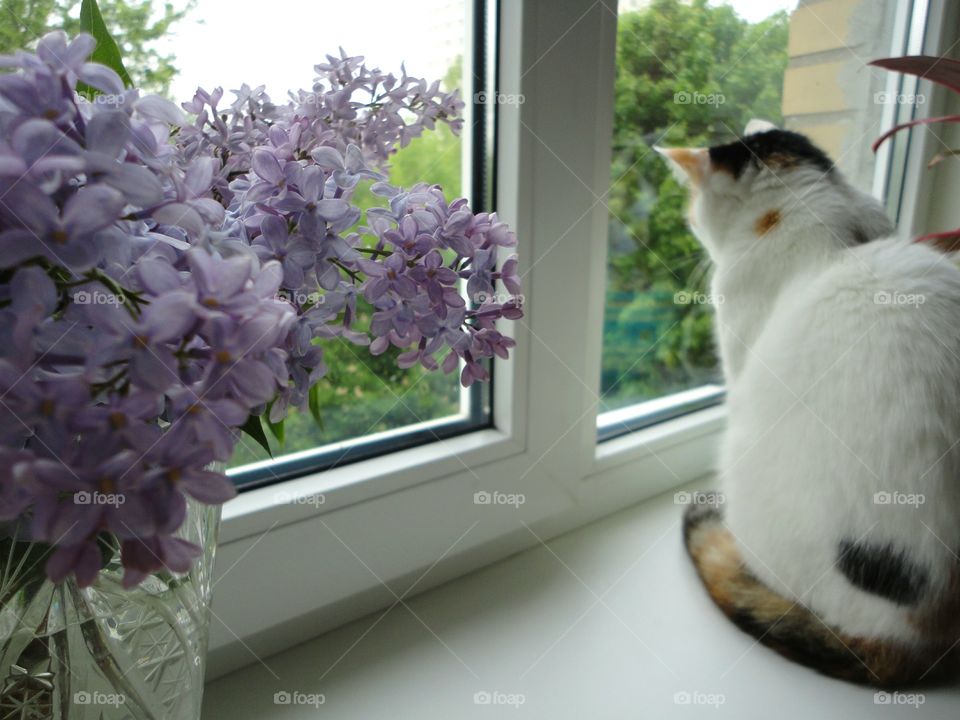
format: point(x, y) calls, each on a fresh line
point(828, 92)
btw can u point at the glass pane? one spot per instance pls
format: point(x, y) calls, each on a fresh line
point(693, 74)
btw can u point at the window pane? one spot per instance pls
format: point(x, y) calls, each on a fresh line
point(361, 395)
point(693, 74)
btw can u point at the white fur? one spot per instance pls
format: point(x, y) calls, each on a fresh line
point(757, 125)
point(833, 396)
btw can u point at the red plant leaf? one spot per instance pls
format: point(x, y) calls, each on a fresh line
point(948, 241)
point(944, 71)
point(921, 121)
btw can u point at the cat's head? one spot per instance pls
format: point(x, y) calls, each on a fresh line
point(768, 185)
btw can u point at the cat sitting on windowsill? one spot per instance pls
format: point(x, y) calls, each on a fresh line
point(835, 537)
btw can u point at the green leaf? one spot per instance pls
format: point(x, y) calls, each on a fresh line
point(109, 547)
point(276, 428)
point(314, 404)
point(254, 428)
point(107, 51)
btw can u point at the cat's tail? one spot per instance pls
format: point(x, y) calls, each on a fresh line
point(787, 626)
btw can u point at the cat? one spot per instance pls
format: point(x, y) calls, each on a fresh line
point(835, 537)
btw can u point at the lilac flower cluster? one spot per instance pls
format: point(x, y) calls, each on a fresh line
point(167, 275)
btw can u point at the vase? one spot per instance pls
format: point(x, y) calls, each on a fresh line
point(103, 652)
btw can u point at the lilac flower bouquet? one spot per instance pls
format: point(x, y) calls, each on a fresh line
point(168, 275)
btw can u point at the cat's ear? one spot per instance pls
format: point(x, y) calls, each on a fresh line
point(689, 165)
point(756, 125)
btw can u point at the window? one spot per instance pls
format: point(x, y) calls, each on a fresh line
point(577, 71)
point(413, 513)
point(693, 74)
point(367, 404)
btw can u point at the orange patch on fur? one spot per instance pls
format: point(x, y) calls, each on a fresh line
point(767, 222)
point(777, 160)
point(691, 160)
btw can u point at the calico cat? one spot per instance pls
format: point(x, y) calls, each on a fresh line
point(836, 537)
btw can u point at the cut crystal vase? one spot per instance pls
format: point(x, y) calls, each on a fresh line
point(103, 652)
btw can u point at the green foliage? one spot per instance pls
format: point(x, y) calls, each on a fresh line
point(276, 428)
point(22, 22)
point(728, 71)
point(106, 52)
point(134, 24)
point(253, 427)
point(360, 395)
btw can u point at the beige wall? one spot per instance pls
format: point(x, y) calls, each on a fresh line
point(829, 93)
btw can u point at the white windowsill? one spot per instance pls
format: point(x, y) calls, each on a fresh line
point(414, 510)
point(529, 625)
point(343, 446)
point(614, 419)
point(255, 511)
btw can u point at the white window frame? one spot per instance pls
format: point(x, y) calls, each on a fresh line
point(404, 522)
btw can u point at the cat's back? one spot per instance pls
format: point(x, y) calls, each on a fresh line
point(862, 361)
point(893, 266)
point(892, 303)
point(885, 310)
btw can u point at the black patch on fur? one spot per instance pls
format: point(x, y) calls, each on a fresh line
point(882, 570)
point(761, 147)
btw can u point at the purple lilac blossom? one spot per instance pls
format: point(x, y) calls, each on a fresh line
point(166, 272)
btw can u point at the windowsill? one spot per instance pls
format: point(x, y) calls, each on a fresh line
point(261, 509)
point(617, 423)
point(530, 626)
point(631, 446)
point(343, 452)
point(255, 511)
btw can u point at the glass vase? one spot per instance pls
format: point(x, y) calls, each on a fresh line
point(103, 652)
